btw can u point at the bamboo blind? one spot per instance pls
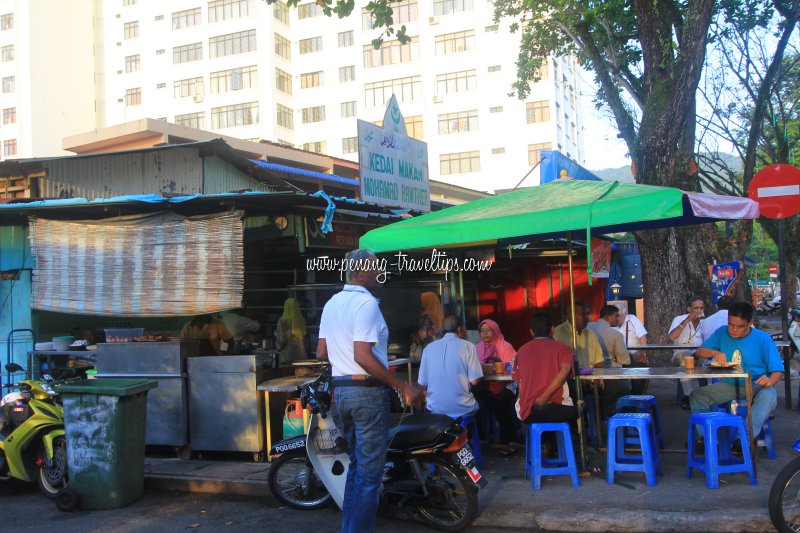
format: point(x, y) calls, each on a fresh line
point(138, 266)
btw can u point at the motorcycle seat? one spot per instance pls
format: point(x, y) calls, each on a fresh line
point(418, 429)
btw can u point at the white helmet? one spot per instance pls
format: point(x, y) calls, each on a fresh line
point(13, 397)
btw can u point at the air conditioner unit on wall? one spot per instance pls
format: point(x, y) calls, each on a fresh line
point(197, 98)
point(437, 99)
point(433, 21)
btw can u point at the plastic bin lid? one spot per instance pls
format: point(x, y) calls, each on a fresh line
point(108, 387)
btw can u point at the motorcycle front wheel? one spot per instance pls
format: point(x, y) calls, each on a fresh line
point(53, 475)
point(784, 498)
point(294, 482)
point(453, 499)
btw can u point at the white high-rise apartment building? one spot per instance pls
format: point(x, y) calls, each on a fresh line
point(252, 70)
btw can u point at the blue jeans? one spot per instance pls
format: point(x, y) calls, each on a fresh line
point(764, 401)
point(364, 413)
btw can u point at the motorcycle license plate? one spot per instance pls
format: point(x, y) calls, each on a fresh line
point(466, 457)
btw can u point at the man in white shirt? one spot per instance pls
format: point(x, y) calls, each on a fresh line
point(448, 368)
point(615, 354)
point(685, 330)
point(635, 334)
point(718, 320)
point(353, 336)
point(239, 325)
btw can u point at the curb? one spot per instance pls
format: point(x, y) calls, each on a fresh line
point(258, 489)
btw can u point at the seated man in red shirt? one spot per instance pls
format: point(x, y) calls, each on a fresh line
point(541, 368)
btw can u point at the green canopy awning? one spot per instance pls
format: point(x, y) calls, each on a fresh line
point(554, 208)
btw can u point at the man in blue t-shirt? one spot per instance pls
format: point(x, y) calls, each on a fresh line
point(759, 358)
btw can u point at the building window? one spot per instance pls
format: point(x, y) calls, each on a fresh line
point(313, 114)
point(285, 117)
point(128, 2)
point(282, 47)
point(283, 81)
point(232, 44)
point(456, 82)
point(7, 53)
point(459, 163)
point(311, 79)
point(132, 64)
point(402, 12)
point(319, 147)
point(447, 7)
point(391, 53)
point(220, 10)
point(453, 43)
point(458, 122)
point(235, 79)
point(192, 120)
point(8, 84)
point(161, 86)
point(498, 151)
point(281, 12)
point(535, 152)
point(308, 46)
point(160, 52)
point(347, 74)
point(187, 52)
point(346, 39)
point(10, 115)
point(188, 87)
point(133, 96)
point(349, 145)
point(494, 68)
point(406, 89)
point(414, 127)
point(159, 17)
point(536, 112)
point(492, 29)
point(497, 109)
point(187, 18)
point(305, 11)
point(131, 30)
point(348, 109)
point(7, 22)
point(541, 72)
point(231, 116)
point(10, 147)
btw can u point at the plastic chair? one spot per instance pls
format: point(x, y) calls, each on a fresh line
point(718, 458)
point(643, 404)
point(539, 466)
point(618, 461)
point(468, 422)
point(764, 437)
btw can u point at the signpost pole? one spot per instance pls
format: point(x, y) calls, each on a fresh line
point(783, 311)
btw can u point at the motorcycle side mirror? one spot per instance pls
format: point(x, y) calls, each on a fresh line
point(13, 368)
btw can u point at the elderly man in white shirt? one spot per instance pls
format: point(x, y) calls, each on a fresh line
point(685, 330)
point(448, 368)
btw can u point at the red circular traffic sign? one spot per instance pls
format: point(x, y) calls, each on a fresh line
point(776, 188)
point(772, 269)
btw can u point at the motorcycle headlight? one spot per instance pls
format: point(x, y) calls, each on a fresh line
point(48, 389)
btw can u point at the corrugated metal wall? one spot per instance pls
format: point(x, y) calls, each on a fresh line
point(221, 176)
point(175, 171)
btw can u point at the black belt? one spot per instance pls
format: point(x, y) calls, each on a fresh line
point(348, 381)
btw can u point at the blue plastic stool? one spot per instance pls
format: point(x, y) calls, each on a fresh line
point(538, 466)
point(643, 404)
point(718, 458)
point(765, 434)
point(471, 426)
point(648, 462)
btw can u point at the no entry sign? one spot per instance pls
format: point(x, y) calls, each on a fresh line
point(772, 269)
point(776, 188)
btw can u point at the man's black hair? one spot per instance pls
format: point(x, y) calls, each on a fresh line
point(451, 323)
point(693, 298)
point(608, 310)
point(725, 302)
point(742, 310)
point(541, 324)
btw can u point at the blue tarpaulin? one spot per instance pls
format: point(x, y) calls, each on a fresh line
point(553, 162)
point(303, 172)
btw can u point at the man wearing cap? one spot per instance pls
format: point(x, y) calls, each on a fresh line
point(353, 336)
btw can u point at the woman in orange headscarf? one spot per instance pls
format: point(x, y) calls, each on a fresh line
point(432, 306)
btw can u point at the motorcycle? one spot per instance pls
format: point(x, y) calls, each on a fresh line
point(429, 475)
point(784, 496)
point(32, 441)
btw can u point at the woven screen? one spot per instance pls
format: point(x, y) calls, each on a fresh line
point(153, 265)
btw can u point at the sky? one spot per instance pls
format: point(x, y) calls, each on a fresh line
point(601, 146)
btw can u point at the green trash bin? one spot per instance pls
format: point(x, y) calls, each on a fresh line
point(104, 421)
